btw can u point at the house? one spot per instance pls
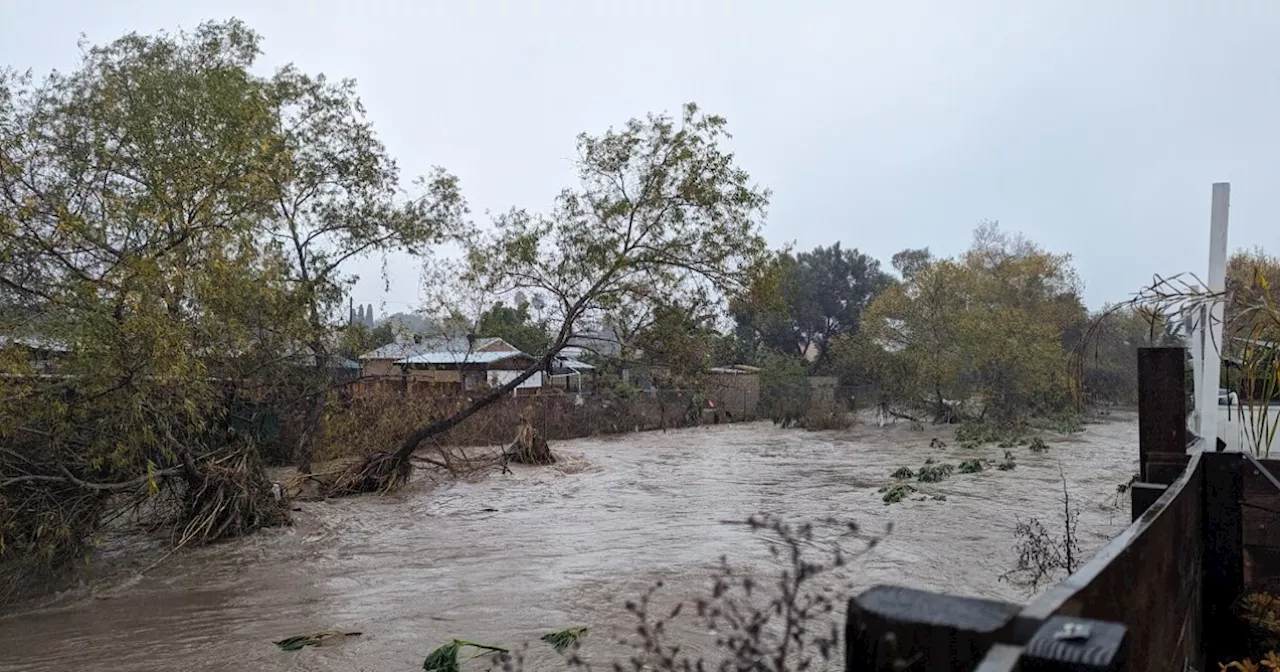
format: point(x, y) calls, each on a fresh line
point(568, 374)
point(43, 353)
point(447, 365)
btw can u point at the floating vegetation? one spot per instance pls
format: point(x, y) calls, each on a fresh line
point(932, 473)
point(974, 435)
point(444, 658)
point(896, 493)
point(929, 460)
point(1038, 445)
point(1007, 464)
point(903, 473)
point(562, 640)
point(939, 498)
point(296, 642)
point(970, 466)
point(937, 443)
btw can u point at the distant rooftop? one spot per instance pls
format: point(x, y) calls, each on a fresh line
point(463, 357)
point(453, 346)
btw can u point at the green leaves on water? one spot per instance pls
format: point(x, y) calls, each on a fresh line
point(296, 642)
point(444, 658)
point(564, 639)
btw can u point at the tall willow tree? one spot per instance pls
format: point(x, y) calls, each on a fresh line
point(172, 229)
point(997, 321)
point(662, 215)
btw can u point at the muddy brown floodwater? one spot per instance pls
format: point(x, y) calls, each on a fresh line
point(510, 557)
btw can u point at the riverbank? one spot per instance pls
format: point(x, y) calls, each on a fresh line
point(509, 557)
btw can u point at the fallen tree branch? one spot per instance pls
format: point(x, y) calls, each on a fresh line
point(68, 477)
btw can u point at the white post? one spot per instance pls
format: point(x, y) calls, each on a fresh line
point(1195, 343)
point(1211, 369)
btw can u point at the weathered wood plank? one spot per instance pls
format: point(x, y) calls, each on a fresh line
point(1260, 518)
point(1148, 578)
point(1256, 484)
point(1223, 551)
point(930, 631)
point(1162, 404)
point(1066, 644)
point(1164, 468)
point(1262, 568)
point(1142, 496)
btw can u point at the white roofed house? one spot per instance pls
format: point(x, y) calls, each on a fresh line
point(446, 365)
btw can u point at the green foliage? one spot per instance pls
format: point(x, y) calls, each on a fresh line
point(1007, 464)
point(662, 215)
point(297, 642)
point(991, 322)
point(970, 466)
point(903, 473)
point(896, 493)
point(784, 389)
point(1038, 445)
point(180, 226)
point(563, 640)
point(1109, 353)
point(444, 658)
point(357, 339)
point(932, 473)
point(806, 300)
point(680, 339)
point(515, 326)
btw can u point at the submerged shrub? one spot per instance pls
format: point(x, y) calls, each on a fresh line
point(932, 473)
point(970, 466)
point(896, 493)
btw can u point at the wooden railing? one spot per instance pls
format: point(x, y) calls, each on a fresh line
point(1157, 597)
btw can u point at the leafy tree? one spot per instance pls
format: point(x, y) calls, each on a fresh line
point(909, 262)
point(662, 215)
point(515, 326)
point(131, 191)
point(807, 300)
point(784, 388)
point(1110, 358)
point(994, 321)
point(357, 339)
point(680, 339)
point(179, 225)
point(339, 198)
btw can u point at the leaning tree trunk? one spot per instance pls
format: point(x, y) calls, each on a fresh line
point(530, 446)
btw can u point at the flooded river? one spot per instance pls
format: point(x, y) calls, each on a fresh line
point(510, 557)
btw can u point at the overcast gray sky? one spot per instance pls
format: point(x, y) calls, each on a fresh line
point(1095, 127)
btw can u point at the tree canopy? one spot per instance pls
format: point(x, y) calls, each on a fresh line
point(516, 326)
point(992, 322)
point(662, 214)
point(801, 302)
point(175, 226)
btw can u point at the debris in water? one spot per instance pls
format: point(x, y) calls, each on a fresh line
point(296, 642)
point(562, 640)
point(444, 658)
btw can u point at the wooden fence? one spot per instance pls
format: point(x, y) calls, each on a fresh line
point(1158, 597)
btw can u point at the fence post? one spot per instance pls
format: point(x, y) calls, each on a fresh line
point(1162, 414)
point(927, 631)
point(1223, 570)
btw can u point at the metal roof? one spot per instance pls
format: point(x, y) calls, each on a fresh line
point(575, 364)
point(443, 357)
point(408, 349)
